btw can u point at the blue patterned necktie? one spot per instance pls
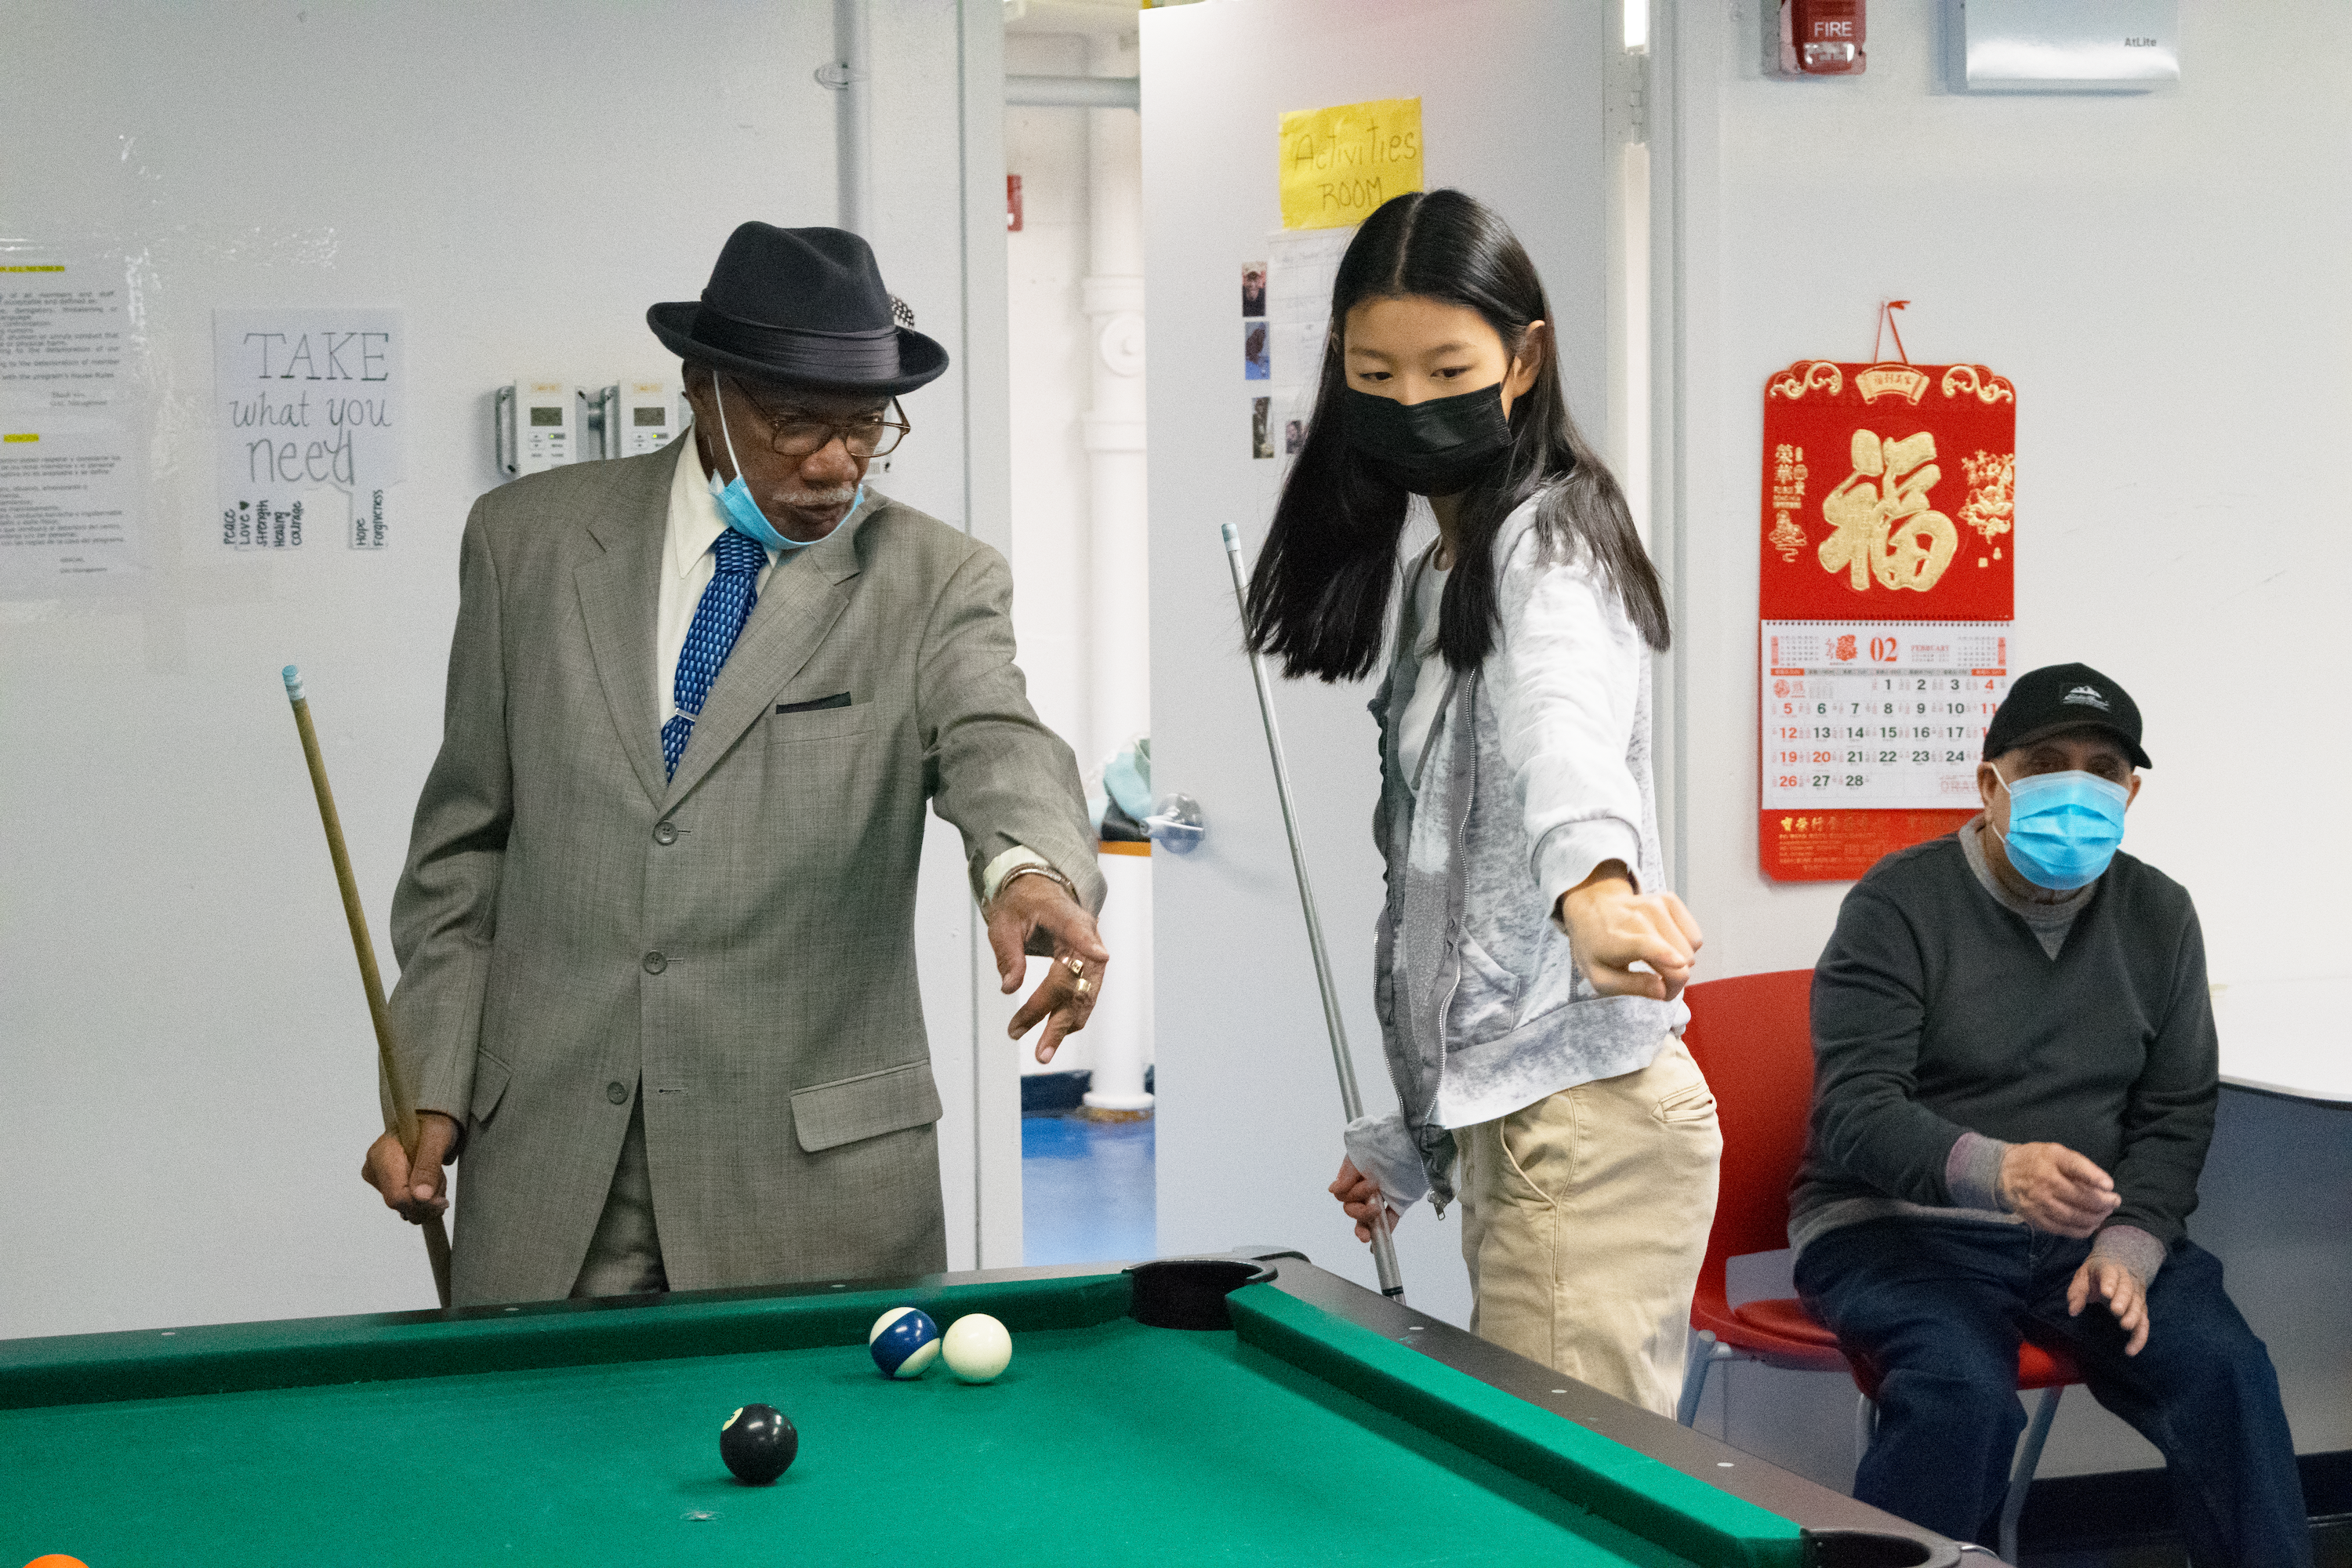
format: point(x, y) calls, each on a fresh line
point(718, 620)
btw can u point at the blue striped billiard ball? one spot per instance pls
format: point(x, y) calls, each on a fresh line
point(905, 1341)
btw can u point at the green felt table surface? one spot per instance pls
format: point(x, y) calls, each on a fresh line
point(1296, 1438)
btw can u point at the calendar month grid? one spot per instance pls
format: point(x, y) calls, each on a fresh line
point(1885, 715)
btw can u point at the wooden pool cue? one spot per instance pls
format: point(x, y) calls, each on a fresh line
point(404, 1110)
point(1352, 1102)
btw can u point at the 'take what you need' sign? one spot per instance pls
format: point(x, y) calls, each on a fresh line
point(310, 410)
point(1337, 164)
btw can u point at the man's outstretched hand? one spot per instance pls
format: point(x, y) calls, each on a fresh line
point(1066, 998)
point(419, 1194)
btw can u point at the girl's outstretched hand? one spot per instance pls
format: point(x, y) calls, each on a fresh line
point(1610, 928)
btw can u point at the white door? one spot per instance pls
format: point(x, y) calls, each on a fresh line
point(1512, 110)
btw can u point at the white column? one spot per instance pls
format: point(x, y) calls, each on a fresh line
point(1120, 686)
point(1112, 298)
point(1121, 1026)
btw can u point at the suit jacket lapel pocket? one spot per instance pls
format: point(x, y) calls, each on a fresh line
point(788, 626)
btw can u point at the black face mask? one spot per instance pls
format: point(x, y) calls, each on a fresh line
point(1437, 447)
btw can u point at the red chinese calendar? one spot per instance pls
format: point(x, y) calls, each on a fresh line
point(1888, 571)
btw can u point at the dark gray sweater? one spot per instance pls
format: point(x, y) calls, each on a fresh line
point(1937, 1013)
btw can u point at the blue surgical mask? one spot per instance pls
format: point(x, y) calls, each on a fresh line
point(2063, 828)
point(734, 498)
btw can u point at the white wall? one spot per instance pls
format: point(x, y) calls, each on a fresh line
point(188, 1062)
point(2161, 278)
point(1249, 1113)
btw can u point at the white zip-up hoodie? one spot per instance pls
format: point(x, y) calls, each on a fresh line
point(1535, 769)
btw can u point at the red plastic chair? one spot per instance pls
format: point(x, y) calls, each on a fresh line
point(1753, 1038)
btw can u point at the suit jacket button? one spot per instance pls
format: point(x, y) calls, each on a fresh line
point(655, 963)
point(618, 1093)
point(666, 833)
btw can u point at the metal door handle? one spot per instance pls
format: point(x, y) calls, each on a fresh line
point(1175, 823)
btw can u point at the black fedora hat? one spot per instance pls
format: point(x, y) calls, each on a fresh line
point(800, 305)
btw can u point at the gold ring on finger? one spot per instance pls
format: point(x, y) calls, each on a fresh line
point(1084, 986)
point(1077, 967)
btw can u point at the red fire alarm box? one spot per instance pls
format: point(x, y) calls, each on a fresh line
point(1823, 37)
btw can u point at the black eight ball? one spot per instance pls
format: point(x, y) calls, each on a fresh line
point(758, 1443)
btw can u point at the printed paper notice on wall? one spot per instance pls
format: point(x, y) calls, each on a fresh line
point(1889, 581)
point(61, 330)
point(310, 411)
point(1340, 163)
point(69, 512)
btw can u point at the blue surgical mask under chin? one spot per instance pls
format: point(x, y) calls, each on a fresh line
point(2063, 828)
point(734, 498)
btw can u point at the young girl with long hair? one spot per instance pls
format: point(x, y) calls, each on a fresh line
point(1541, 1075)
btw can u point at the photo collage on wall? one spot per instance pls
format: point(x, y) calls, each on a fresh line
point(1289, 294)
point(1257, 356)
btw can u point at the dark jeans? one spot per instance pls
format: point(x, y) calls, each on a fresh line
point(1939, 1308)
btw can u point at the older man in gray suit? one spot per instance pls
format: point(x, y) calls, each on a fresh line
point(655, 929)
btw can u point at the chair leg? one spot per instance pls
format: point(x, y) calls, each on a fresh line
point(1704, 1351)
point(1865, 1427)
point(2021, 1478)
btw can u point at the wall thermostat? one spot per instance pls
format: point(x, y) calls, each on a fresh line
point(641, 416)
point(536, 427)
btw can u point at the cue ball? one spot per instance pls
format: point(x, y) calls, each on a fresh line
point(978, 1349)
point(758, 1443)
point(905, 1341)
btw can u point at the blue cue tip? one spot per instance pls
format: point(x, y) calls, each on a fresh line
point(293, 684)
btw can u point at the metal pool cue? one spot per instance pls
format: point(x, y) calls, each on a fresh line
point(1350, 1101)
point(436, 1236)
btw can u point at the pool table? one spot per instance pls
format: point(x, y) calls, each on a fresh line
point(1323, 1423)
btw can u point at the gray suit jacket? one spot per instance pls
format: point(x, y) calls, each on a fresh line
point(738, 940)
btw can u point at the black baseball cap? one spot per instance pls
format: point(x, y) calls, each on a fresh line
point(2059, 697)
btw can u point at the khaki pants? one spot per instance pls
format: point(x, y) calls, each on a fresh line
point(1584, 1220)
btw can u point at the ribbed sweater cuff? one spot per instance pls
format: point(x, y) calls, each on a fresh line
point(1972, 1172)
point(2133, 1247)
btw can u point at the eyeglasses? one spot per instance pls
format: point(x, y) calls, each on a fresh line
point(796, 433)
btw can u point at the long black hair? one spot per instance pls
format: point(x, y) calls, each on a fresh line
point(1320, 597)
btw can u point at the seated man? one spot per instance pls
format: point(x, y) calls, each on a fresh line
point(2015, 1078)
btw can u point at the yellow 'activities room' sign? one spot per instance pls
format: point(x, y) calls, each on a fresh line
point(1340, 163)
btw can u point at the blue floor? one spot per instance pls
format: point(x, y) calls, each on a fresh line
point(1086, 1190)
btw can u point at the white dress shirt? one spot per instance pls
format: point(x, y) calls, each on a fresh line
point(687, 566)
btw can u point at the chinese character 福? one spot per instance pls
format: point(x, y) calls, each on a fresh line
point(1884, 526)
